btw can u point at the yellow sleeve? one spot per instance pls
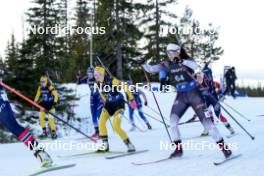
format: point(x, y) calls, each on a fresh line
point(54, 93)
point(116, 82)
point(37, 95)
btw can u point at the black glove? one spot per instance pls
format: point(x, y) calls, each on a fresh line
point(55, 105)
point(140, 61)
point(146, 103)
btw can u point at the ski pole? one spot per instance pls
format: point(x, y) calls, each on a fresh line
point(43, 109)
point(139, 120)
point(153, 94)
point(154, 110)
point(149, 115)
point(252, 137)
point(155, 118)
point(102, 64)
point(182, 123)
point(134, 124)
point(237, 112)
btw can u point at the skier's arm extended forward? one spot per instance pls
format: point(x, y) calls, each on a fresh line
point(154, 68)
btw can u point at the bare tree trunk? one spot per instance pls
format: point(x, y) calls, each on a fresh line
point(119, 58)
point(157, 31)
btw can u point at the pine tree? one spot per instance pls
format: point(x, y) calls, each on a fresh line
point(43, 16)
point(157, 21)
point(200, 42)
point(119, 44)
point(11, 58)
point(79, 41)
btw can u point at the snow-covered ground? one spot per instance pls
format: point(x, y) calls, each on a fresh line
point(16, 160)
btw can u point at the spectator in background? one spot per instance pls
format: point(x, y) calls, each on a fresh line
point(230, 78)
point(163, 77)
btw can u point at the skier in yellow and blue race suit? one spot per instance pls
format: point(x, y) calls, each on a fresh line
point(47, 97)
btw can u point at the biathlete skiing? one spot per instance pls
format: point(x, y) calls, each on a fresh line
point(184, 74)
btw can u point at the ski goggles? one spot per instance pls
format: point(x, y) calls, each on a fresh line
point(43, 82)
point(170, 52)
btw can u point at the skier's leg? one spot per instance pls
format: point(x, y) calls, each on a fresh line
point(52, 124)
point(178, 109)
point(117, 125)
point(103, 131)
point(131, 119)
point(217, 111)
point(93, 108)
point(42, 122)
point(131, 115)
point(122, 134)
point(143, 117)
point(102, 123)
point(23, 134)
point(200, 109)
point(98, 114)
point(162, 84)
point(233, 89)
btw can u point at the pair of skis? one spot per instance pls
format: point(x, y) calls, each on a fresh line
point(216, 163)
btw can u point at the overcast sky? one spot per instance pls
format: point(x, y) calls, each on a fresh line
point(241, 30)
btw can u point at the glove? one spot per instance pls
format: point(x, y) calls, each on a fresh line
point(146, 103)
point(199, 78)
point(55, 105)
point(78, 77)
point(133, 104)
point(140, 61)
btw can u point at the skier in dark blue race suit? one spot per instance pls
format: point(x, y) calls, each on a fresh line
point(137, 98)
point(8, 120)
point(210, 97)
point(96, 103)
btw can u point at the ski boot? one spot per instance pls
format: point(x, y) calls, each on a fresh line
point(224, 148)
point(54, 135)
point(178, 149)
point(44, 134)
point(133, 128)
point(149, 126)
point(96, 136)
point(130, 146)
point(44, 157)
point(204, 133)
point(231, 129)
point(104, 147)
